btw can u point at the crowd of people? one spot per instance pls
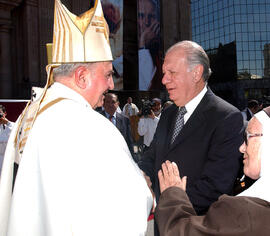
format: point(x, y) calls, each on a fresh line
point(81, 175)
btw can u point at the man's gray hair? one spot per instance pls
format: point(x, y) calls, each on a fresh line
point(195, 56)
point(68, 69)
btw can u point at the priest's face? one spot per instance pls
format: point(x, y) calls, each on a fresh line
point(99, 82)
point(251, 149)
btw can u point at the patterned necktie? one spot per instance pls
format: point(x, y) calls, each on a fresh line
point(179, 123)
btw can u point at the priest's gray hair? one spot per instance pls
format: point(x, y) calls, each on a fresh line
point(195, 56)
point(68, 68)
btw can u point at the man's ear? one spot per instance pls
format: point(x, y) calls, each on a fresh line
point(197, 73)
point(80, 76)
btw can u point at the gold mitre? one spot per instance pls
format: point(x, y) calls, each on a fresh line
point(83, 38)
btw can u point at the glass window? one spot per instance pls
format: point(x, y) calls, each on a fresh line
point(257, 36)
point(246, 55)
point(263, 35)
point(239, 55)
point(237, 18)
point(250, 18)
point(251, 36)
point(239, 47)
point(236, 10)
point(264, 27)
point(245, 46)
point(251, 55)
point(251, 46)
point(238, 37)
point(259, 55)
point(243, 9)
point(256, 27)
point(244, 28)
point(220, 5)
point(230, 9)
point(215, 6)
point(250, 27)
point(267, 8)
point(245, 36)
point(250, 9)
point(262, 18)
point(244, 18)
point(238, 27)
point(226, 12)
point(231, 19)
point(245, 65)
point(256, 17)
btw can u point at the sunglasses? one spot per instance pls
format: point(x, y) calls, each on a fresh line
point(248, 135)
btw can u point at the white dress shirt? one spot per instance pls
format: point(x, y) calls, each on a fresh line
point(192, 104)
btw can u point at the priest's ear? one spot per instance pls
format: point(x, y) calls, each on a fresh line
point(82, 78)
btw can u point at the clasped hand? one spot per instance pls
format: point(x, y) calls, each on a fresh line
point(169, 176)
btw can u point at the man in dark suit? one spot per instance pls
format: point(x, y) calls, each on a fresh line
point(206, 148)
point(111, 103)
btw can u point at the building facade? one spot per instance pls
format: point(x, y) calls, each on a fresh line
point(236, 36)
point(27, 25)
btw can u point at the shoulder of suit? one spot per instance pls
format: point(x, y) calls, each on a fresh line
point(218, 103)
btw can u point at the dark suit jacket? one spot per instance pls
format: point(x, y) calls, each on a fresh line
point(206, 150)
point(123, 125)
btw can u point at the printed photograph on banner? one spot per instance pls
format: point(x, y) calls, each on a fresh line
point(113, 13)
point(149, 54)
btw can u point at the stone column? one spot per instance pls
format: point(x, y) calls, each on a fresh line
point(5, 47)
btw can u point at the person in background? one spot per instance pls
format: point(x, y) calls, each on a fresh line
point(166, 104)
point(148, 123)
point(200, 132)
point(252, 108)
point(130, 109)
point(156, 107)
point(5, 130)
point(247, 214)
point(111, 103)
point(76, 175)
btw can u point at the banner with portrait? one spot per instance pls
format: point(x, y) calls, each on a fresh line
point(113, 13)
point(149, 53)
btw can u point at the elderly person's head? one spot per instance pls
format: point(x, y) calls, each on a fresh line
point(91, 80)
point(186, 69)
point(257, 155)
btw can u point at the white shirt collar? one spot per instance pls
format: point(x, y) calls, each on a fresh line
point(108, 115)
point(192, 104)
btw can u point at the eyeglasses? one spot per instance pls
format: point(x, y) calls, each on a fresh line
point(248, 135)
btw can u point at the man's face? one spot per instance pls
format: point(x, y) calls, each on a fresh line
point(177, 78)
point(156, 107)
point(110, 104)
point(99, 81)
point(251, 150)
point(146, 14)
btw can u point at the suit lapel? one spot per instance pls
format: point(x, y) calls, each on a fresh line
point(119, 121)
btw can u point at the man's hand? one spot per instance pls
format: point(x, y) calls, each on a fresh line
point(169, 176)
point(149, 34)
